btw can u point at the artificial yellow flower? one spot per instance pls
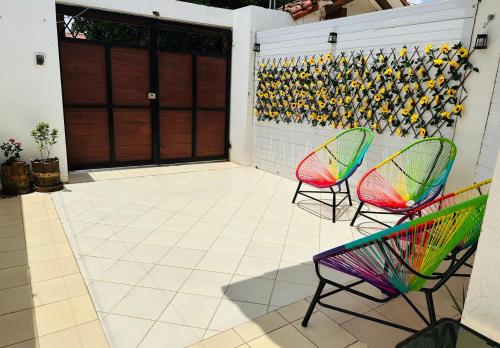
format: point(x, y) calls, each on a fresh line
point(293, 105)
point(458, 108)
point(451, 92)
point(431, 84)
point(381, 58)
point(416, 86)
point(324, 90)
point(454, 64)
point(369, 114)
point(398, 131)
point(437, 98)
point(410, 72)
point(463, 52)
point(390, 118)
point(374, 125)
point(445, 114)
point(341, 125)
point(405, 112)
point(377, 97)
point(333, 125)
point(421, 71)
point(355, 124)
point(389, 86)
point(428, 49)
point(333, 101)
point(339, 75)
point(402, 52)
point(388, 71)
point(441, 79)
point(445, 48)
point(422, 131)
point(405, 88)
point(369, 85)
point(303, 75)
point(438, 61)
point(312, 61)
point(424, 100)
point(321, 60)
point(414, 118)
point(385, 109)
point(260, 93)
point(328, 56)
point(348, 99)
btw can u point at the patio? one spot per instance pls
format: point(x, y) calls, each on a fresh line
point(173, 255)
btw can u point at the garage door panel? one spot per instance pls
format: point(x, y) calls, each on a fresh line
point(132, 129)
point(83, 74)
point(87, 136)
point(130, 76)
point(211, 82)
point(211, 129)
point(175, 78)
point(176, 134)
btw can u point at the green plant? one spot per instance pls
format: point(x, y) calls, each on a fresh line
point(45, 138)
point(11, 150)
point(458, 307)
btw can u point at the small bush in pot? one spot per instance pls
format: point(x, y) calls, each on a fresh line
point(15, 173)
point(46, 172)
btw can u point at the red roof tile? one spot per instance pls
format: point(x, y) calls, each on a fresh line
point(301, 8)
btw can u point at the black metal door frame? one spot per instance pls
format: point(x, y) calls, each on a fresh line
point(154, 25)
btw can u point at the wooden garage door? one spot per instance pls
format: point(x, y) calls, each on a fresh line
point(138, 91)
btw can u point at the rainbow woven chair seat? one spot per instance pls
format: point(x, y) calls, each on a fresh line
point(401, 259)
point(407, 179)
point(332, 163)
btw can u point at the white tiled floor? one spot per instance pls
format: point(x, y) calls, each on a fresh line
point(171, 259)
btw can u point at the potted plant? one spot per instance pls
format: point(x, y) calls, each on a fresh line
point(46, 173)
point(15, 173)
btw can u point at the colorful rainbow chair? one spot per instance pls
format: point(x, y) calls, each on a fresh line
point(332, 163)
point(400, 260)
point(407, 179)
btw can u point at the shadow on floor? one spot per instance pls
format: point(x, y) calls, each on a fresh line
point(80, 177)
point(17, 316)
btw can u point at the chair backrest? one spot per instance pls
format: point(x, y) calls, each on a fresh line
point(410, 177)
point(342, 154)
point(448, 200)
point(390, 259)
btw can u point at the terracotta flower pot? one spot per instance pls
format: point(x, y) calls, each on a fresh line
point(16, 178)
point(46, 175)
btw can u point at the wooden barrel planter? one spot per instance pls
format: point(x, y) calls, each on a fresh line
point(46, 175)
point(16, 178)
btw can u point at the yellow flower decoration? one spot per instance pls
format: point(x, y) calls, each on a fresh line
point(454, 64)
point(431, 84)
point(424, 100)
point(405, 112)
point(445, 114)
point(458, 108)
point(369, 114)
point(398, 131)
point(437, 98)
point(405, 88)
point(398, 75)
point(328, 56)
point(312, 61)
point(445, 48)
point(388, 72)
point(422, 132)
point(451, 92)
point(374, 125)
point(421, 71)
point(381, 58)
point(463, 52)
point(438, 62)
point(385, 109)
point(377, 97)
point(414, 118)
point(348, 99)
point(441, 79)
point(402, 52)
point(428, 49)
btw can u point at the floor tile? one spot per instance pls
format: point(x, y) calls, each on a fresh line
point(219, 262)
point(232, 313)
point(94, 267)
point(171, 336)
point(125, 332)
point(106, 295)
point(303, 273)
point(285, 293)
point(260, 326)
point(207, 228)
point(17, 327)
point(295, 310)
point(256, 290)
point(165, 238)
point(146, 253)
point(101, 231)
point(126, 272)
point(179, 257)
point(176, 224)
point(230, 245)
point(132, 234)
point(165, 278)
point(144, 303)
point(14, 276)
point(207, 283)
point(196, 241)
point(323, 332)
point(227, 339)
point(286, 336)
point(264, 250)
point(258, 267)
point(16, 299)
point(111, 249)
point(190, 310)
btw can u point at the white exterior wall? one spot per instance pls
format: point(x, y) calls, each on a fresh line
point(491, 138)
point(482, 307)
point(278, 148)
point(30, 93)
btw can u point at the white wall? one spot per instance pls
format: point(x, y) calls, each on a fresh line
point(246, 22)
point(278, 148)
point(491, 139)
point(30, 93)
point(169, 9)
point(482, 306)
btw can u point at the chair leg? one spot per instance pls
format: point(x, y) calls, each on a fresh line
point(430, 307)
point(357, 213)
point(348, 192)
point(334, 205)
point(297, 192)
point(315, 300)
